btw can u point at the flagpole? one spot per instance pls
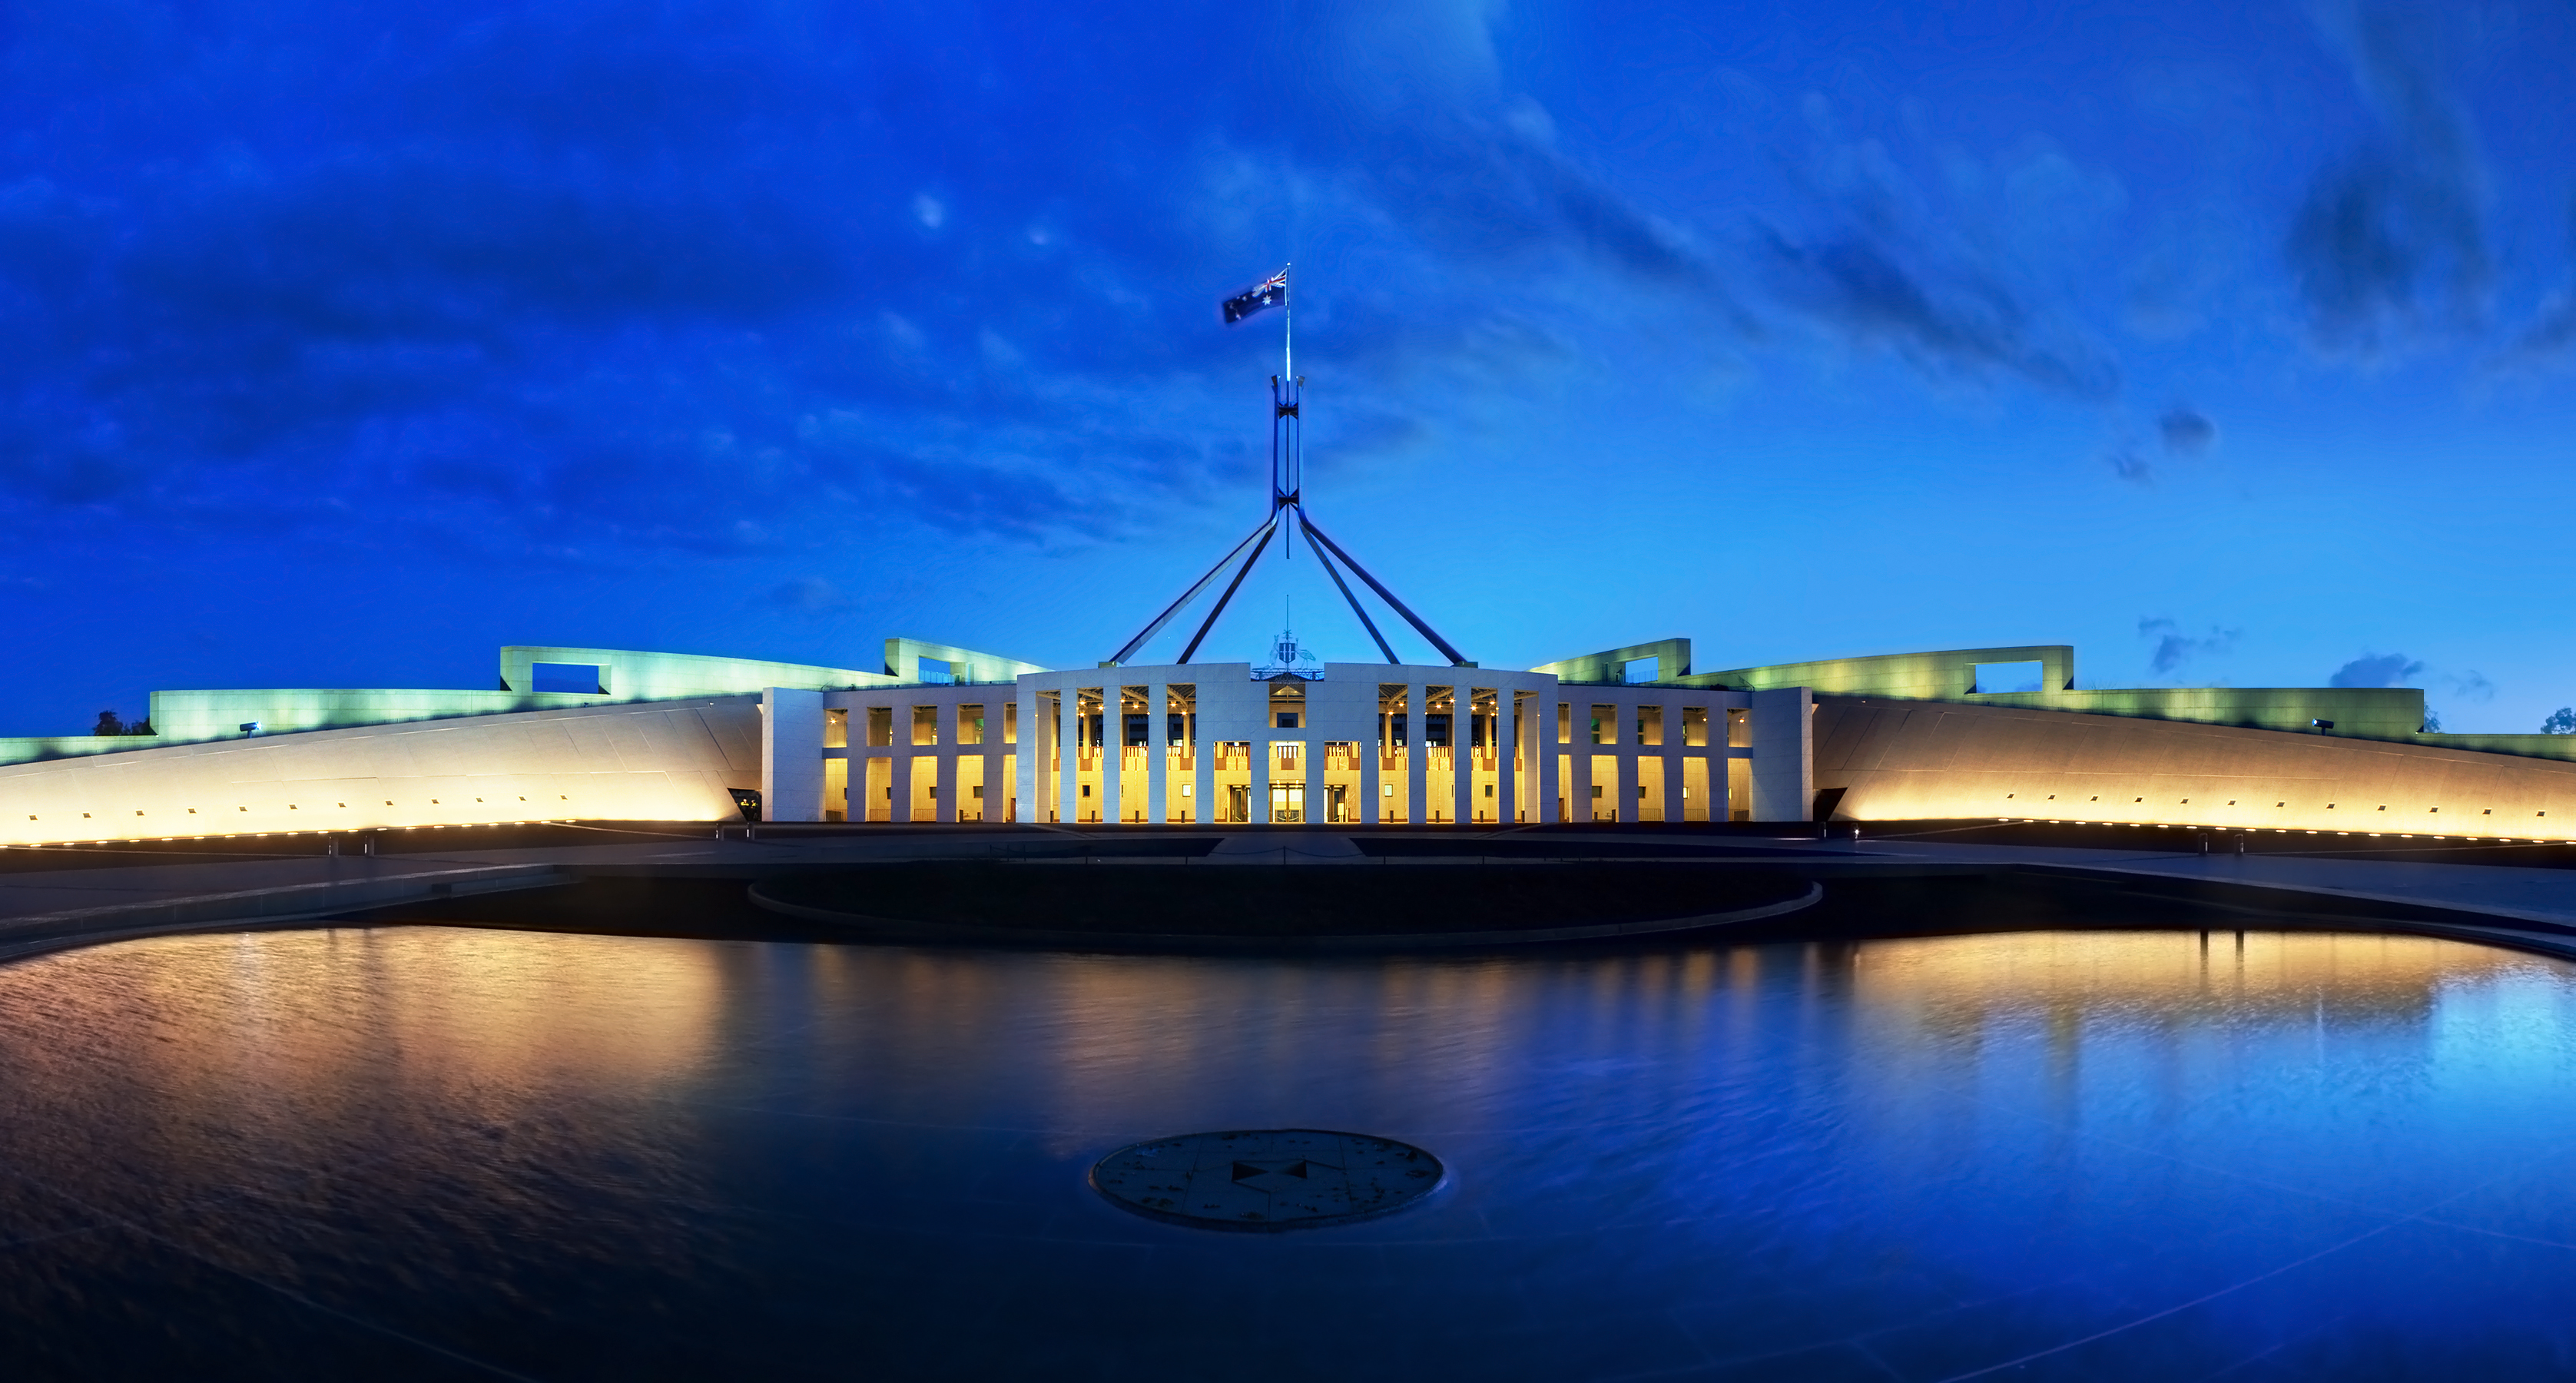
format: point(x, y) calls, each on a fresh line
point(1288, 373)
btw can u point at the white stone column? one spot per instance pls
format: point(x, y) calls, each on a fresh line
point(1202, 759)
point(1372, 748)
point(1113, 751)
point(1027, 755)
point(791, 755)
point(1675, 776)
point(900, 807)
point(1068, 741)
point(1258, 807)
point(1784, 773)
point(1545, 750)
point(1417, 758)
point(1158, 752)
point(1462, 754)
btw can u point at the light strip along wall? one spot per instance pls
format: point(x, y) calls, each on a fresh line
point(1902, 760)
point(628, 674)
point(2381, 713)
point(661, 761)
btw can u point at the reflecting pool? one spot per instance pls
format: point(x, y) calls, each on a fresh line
point(429, 1152)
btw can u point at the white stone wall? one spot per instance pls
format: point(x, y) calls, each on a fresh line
point(659, 761)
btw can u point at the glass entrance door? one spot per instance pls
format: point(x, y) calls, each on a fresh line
point(1287, 801)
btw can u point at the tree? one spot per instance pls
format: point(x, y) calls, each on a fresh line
point(2432, 721)
point(2561, 722)
point(108, 724)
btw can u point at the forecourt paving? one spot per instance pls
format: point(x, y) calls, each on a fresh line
point(44, 909)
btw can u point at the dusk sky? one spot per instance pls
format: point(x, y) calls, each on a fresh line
point(346, 343)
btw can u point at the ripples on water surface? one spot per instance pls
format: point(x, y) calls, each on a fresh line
point(430, 1152)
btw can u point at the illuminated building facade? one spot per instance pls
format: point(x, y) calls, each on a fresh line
point(951, 736)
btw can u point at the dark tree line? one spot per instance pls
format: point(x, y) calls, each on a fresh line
point(108, 724)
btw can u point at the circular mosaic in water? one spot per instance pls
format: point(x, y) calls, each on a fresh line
point(1258, 1179)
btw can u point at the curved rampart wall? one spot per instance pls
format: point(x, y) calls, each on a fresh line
point(653, 761)
point(1912, 760)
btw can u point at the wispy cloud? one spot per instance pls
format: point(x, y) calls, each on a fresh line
point(2186, 431)
point(2173, 648)
point(2471, 685)
point(2376, 670)
point(2390, 238)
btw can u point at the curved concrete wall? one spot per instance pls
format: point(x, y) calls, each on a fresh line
point(1901, 760)
point(656, 761)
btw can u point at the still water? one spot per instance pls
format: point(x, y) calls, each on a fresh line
point(425, 1152)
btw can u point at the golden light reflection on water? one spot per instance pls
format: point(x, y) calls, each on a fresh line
point(1948, 983)
point(155, 1077)
point(728, 1141)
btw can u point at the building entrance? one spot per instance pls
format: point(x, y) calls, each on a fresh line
point(1288, 802)
point(1337, 804)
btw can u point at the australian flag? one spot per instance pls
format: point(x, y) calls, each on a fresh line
point(1272, 292)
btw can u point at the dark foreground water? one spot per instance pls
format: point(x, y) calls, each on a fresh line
point(422, 1152)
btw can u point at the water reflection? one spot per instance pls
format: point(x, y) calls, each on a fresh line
point(2117, 1154)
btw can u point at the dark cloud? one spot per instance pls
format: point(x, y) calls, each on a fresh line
point(1860, 286)
point(2391, 238)
point(569, 273)
point(2376, 670)
point(2471, 686)
point(2127, 464)
point(2186, 432)
point(2174, 648)
point(572, 273)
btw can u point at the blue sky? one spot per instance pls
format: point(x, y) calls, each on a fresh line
point(2233, 344)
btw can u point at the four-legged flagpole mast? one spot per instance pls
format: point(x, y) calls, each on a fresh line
point(1287, 500)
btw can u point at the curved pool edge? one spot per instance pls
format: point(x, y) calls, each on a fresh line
point(864, 927)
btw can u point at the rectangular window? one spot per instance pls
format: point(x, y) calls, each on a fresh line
point(1564, 723)
point(925, 788)
point(1605, 725)
point(1285, 720)
point(880, 727)
point(2007, 677)
point(836, 729)
point(1650, 725)
point(879, 787)
point(578, 679)
point(1637, 671)
point(1694, 727)
point(836, 789)
point(1010, 722)
point(1088, 728)
point(1739, 789)
point(925, 725)
point(1135, 718)
point(970, 725)
point(1739, 728)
